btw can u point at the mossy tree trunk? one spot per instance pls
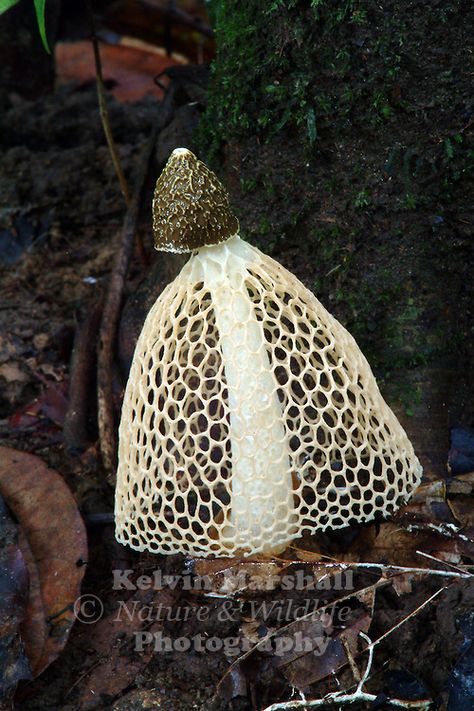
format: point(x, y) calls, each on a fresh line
point(344, 131)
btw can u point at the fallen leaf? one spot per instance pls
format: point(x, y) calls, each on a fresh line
point(41, 341)
point(463, 511)
point(317, 646)
point(12, 373)
point(132, 69)
point(461, 484)
point(52, 404)
point(14, 665)
point(114, 656)
point(10, 347)
point(251, 630)
point(228, 576)
point(54, 544)
point(403, 584)
point(56, 373)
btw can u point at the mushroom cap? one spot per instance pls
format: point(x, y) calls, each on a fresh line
point(190, 206)
point(311, 421)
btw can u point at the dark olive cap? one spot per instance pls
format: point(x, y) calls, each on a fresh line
point(190, 206)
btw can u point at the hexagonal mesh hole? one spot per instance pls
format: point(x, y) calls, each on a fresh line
point(251, 415)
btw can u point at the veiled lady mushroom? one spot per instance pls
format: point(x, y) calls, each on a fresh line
point(250, 414)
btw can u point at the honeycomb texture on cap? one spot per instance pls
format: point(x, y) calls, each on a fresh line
point(190, 206)
point(250, 416)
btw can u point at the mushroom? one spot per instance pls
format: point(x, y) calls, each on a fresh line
point(250, 414)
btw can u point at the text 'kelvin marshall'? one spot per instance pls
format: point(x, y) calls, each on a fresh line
point(230, 581)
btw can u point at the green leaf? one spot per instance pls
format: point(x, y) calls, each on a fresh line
point(7, 4)
point(39, 7)
point(311, 125)
point(448, 148)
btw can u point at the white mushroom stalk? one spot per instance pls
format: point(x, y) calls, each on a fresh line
point(250, 414)
point(260, 503)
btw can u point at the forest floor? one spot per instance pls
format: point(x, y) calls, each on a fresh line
point(60, 219)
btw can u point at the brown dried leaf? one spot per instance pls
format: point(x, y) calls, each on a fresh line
point(303, 554)
point(250, 630)
point(403, 584)
point(318, 647)
point(427, 493)
point(13, 373)
point(14, 665)
point(114, 660)
point(429, 523)
point(52, 404)
point(54, 544)
point(463, 511)
point(461, 484)
point(394, 545)
point(227, 576)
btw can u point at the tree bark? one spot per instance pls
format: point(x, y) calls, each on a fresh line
point(344, 132)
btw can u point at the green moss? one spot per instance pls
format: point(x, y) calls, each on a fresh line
point(348, 129)
point(379, 306)
point(260, 79)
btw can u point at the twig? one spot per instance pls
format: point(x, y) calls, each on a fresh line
point(108, 331)
point(82, 676)
point(264, 640)
point(82, 365)
point(359, 695)
point(104, 113)
point(408, 617)
point(98, 519)
point(448, 530)
point(399, 569)
point(339, 696)
point(110, 317)
point(370, 660)
point(445, 562)
point(350, 659)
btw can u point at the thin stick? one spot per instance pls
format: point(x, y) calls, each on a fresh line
point(104, 113)
point(408, 617)
point(108, 331)
point(448, 530)
point(444, 562)
point(398, 569)
point(370, 660)
point(340, 698)
point(359, 695)
point(110, 318)
point(356, 593)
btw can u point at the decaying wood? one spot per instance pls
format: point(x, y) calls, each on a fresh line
point(110, 319)
point(82, 364)
point(111, 314)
